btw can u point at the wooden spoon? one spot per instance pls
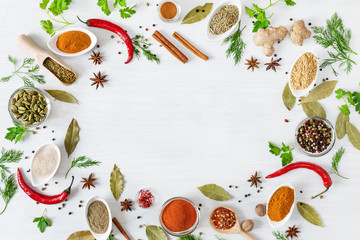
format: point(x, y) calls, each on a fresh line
point(40, 54)
point(236, 229)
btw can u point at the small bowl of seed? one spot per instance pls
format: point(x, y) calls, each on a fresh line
point(315, 136)
point(29, 106)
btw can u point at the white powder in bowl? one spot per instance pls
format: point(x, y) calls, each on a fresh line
point(45, 162)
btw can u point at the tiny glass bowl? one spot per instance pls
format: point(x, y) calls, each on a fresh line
point(183, 233)
point(328, 123)
point(178, 13)
point(29, 88)
point(150, 191)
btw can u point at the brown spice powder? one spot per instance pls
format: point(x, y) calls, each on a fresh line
point(304, 71)
point(98, 217)
point(64, 75)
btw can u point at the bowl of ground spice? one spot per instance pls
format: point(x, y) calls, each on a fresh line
point(223, 20)
point(179, 216)
point(98, 217)
point(169, 11)
point(315, 136)
point(72, 42)
point(303, 74)
point(280, 205)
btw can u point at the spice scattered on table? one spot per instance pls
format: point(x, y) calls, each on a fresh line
point(304, 71)
point(126, 205)
point(224, 19)
point(260, 210)
point(254, 180)
point(252, 63)
point(98, 217)
point(280, 203)
point(88, 182)
point(292, 232)
point(145, 198)
point(273, 64)
point(223, 218)
point(96, 58)
point(98, 79)
point(73, 41)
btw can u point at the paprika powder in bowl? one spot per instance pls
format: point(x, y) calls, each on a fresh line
point(179, 217)
point(72, 42)
point(280, 205)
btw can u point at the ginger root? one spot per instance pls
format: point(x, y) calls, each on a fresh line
point(267, 38)
point(299, 32)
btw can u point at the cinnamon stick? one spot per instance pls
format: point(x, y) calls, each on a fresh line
point(169, 46)
point(189, 46)
point(117, 224)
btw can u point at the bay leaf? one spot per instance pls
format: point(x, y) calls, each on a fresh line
point(62, 96)
point(341, 121)
point(313, 109)
point(309, 214)
point(81, 235)
point(214, 192)
point(197, 14)
point(72, 137)
point(353, 134)
point(155, 233)
point(288, 98)
point(322, 91)
point(116, 182)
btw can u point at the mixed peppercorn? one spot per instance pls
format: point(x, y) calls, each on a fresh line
point(223, 218)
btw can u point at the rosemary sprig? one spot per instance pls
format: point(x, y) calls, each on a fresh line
point(338, 37)
point(8, 156)
point(280, 236)
point(82, 162)
point(335, 162)
point(27, 72)
point(9, 191)
point(237, 45)
point(140, 43)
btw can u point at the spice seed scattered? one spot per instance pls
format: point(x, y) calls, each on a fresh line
point(28, 170)
point(70, 213)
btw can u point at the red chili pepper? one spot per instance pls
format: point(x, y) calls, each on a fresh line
point(99, 23)
point(314, 167)
point(38, 196)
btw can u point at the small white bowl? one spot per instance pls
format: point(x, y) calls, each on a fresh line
point(178, 13)
point(52, 42)
point(210, 36)
point(98, 236)
point(301, 93)
point(274, 224)
point(36, 182)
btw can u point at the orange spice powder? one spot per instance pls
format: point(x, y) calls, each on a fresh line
point(280, 203)
point(168, 10)
point(179, 215)
point(73, 41)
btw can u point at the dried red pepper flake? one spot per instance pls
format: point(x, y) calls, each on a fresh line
point(223, 218)
point(145, 198)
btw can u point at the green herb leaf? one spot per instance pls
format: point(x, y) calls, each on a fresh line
point(44, 4)
point(309, 214)
point(116, 182)
point(104, 6)
point(214, 192)
point(322, 91)
point(9, 191)
point(16, 133)
point(197, 14)
point(140, 42)
point(353, 134)
point(274, 149)
point(237, 45)
point(290, 3)
point(81, 235)
point(335, 162)
point(42, 222)
point(191, 237)
point(289, 99)
point(72, 137)
point(280, 236)
point(341, 121)
point(127, 12)
point(313, 108)
point(62, 96)
point(57, 7)
point(155, 233)
point(121, 3)
point(82, 162)
point(286, 156)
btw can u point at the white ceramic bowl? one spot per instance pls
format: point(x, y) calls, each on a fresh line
point(274, 224)
point(52, 42)
point(301, 93)
point(98, 236)
point(212, 37)
point(36, 182)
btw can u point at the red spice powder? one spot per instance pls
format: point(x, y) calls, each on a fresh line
point(179, 215)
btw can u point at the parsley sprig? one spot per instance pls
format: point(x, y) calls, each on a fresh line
point(350, 99)
point(335, 162)
point(286, 156)
point(237, 45)
point(82, 162)
point(140, 43)
point(262, 21)
point(124, 10)
point(27, 72)
point(16, 133)
point(43, 222)
point(335, 35)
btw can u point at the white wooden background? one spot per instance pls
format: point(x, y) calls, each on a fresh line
point(174, 127)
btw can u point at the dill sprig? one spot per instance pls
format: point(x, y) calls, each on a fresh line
point(335, 162)
point(82, 162)
point(140, 43)
point(27, 72)
point(8, 156)
point(280, 236)
point(338, 37)
point(236, 46)
point(9, 191)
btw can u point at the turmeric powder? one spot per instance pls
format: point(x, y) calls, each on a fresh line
point(280, 203)
point(73, 42)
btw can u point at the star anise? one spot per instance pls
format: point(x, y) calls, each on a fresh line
point(254, 179)
point(98, 80)
point(292, 232)
point(273, 64)
point(252, 63)
point(88, 182)
point(96, 58)
point(126, 205)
